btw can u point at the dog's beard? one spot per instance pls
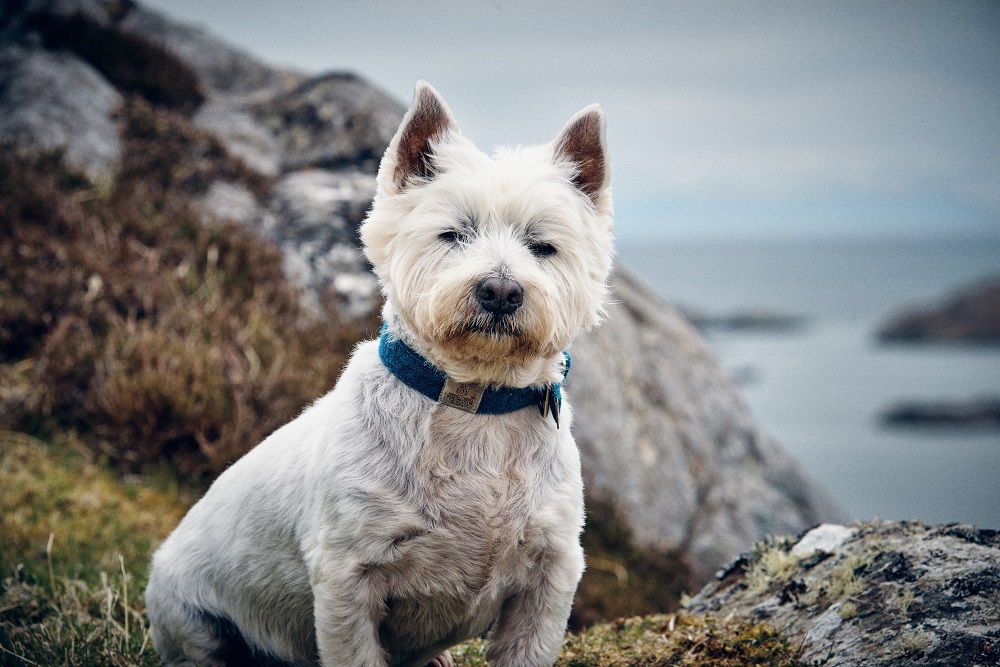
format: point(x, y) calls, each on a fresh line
point(489, 336)
point(473, 344)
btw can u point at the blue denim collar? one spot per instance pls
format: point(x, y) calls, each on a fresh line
point(419, 374)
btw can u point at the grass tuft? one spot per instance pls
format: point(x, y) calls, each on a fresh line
point(770, 562)
point(76, 623)
point(775, 565)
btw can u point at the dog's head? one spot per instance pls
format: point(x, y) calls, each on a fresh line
point(491, 265)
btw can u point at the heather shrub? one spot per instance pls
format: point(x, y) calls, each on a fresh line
point(150, 333)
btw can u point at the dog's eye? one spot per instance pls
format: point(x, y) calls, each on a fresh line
point(542, 249)
point(450, 237)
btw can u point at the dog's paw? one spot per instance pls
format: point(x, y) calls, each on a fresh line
point(443, 660)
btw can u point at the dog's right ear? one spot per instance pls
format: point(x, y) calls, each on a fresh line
point(409, 156)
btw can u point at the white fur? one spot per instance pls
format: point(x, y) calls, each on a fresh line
point(380, 527)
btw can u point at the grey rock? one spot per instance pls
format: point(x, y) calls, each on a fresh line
point(316, 218)
point(243, 136)
point(233, 201)
point(899, 594)
point(222, 68)
point(664, 431)
point(55, 102)
point(277, 120)
point(333, 121)
point(824, 538)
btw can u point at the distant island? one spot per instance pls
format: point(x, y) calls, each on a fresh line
point(979, 413)
point(969, 315)
point(756, 319)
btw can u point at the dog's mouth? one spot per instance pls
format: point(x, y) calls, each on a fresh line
point(489, 325)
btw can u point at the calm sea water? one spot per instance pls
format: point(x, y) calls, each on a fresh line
point(821, 389)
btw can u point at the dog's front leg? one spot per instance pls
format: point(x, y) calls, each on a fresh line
point(532, 623)
point(349, 606)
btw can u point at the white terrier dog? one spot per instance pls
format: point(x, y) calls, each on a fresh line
point(435, 494)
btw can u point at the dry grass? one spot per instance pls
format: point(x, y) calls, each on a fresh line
point(74, 623)
point(774, 565)
point(845, 580)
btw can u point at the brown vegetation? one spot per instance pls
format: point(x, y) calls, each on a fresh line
point(623, 579)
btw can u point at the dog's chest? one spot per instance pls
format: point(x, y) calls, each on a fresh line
point(483, 484)
point(479, 488)
point(476, 489)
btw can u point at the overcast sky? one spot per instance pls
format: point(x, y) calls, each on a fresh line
point(726, 119)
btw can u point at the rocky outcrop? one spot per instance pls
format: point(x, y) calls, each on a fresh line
point(57, 104)
point(317, 214)
point(334, 121)
point(876, 594)
point(664, 432)
point(222, 69)
point(970, 315)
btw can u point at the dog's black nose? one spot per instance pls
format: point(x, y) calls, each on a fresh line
point(501, 296)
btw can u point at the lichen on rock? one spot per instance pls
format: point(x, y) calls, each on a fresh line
point(879, 593)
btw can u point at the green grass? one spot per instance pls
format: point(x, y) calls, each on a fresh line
point(73, 557)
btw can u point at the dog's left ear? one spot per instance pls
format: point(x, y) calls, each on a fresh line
point(409, 155)
point(582, 141)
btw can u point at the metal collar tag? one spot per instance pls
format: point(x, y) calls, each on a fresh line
point(462, 395)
